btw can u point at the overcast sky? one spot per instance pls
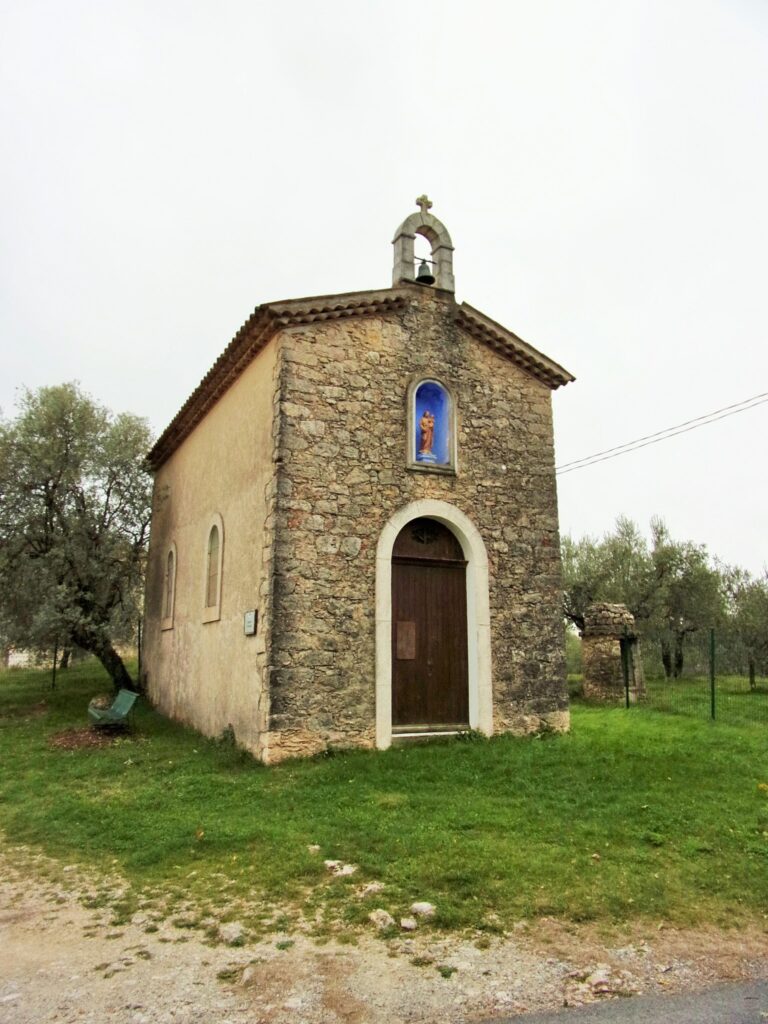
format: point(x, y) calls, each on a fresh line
point(601, 166)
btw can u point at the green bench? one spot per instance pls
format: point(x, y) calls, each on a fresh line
point(115, 716)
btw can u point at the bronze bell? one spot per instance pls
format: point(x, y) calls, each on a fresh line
point(425, 275)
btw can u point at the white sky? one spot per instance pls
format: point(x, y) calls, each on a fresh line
point(601, 166)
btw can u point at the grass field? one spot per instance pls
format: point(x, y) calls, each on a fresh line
point(640, 814)
point(735, 702)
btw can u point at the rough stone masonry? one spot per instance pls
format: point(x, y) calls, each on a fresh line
point(340, 444)
point(607, 629)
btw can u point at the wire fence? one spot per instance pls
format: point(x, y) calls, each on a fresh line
point(48, 670)
point(705, 687)
point(727, 699)
point(702, 683)
point(709, 677)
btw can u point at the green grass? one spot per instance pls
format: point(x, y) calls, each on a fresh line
point(636, 814)
point(734, 701)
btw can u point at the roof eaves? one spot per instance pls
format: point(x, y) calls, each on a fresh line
point(246, 344)
point(511, 347)
point(265, 321)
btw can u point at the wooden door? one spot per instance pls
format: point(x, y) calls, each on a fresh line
point(429, 630)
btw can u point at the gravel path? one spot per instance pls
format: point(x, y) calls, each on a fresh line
point(60, 962)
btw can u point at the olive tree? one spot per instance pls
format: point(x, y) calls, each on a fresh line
point(75, 502)
point(688, 596)
point(747, 623)
point(615, 568)
point(671, 587)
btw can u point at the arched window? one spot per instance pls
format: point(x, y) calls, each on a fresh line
point(214, 551)
point(431, 427)
point(212, 575)
point(169, 588)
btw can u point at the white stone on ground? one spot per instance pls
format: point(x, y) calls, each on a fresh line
point(232, 932)
point(369, 889)
point(381, 918)
point(423, 909)
point(339, 868)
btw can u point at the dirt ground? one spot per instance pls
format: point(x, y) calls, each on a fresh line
point(60, 962)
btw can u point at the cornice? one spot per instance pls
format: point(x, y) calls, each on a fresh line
point(267, 320)
point(511, 347)
point(263, 324)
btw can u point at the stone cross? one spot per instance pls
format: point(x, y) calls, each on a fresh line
point(424, 204)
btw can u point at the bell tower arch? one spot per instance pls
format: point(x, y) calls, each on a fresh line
point(429, 227)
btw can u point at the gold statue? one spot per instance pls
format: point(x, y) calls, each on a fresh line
point(427, 428)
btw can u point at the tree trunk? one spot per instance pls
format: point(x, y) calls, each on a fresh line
point(752, 683)
point(66, 654)
point(112, 662)
point(679, 657)
point(666, 658)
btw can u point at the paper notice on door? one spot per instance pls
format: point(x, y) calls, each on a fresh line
point(405, 645)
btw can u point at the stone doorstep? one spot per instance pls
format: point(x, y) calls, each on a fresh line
point(402, 739)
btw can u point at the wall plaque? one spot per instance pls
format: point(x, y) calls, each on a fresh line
point(250, 621)
point(405, 646)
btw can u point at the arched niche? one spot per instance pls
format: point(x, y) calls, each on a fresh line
point(431, 426)
point(169, 587)
point(478, 613)
point(212, 571)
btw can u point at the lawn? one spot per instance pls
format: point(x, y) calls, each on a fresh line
point(638, 814)
point(734, 701)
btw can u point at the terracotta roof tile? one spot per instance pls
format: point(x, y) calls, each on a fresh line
point(268, 319)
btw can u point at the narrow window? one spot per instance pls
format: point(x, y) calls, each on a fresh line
point(212, 569)
point(169, 588)
point(168, 602)
point(212, 579)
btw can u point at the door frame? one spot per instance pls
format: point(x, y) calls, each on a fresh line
point(478, 614)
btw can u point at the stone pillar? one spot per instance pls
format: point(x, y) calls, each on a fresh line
point(607, 629)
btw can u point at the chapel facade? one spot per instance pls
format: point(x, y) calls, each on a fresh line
point(355, 536)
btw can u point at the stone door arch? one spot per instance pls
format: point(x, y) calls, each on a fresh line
point(479, 693)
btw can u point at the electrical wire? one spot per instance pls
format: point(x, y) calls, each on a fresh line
point(662, 435)
point(697, 419)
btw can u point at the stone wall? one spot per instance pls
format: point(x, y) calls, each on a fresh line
point(606, 628)
point(340, 443)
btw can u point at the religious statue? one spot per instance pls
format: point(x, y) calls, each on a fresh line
point(427, 428)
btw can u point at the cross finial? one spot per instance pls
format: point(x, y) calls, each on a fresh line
point(424, 204)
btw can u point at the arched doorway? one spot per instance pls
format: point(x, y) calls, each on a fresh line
point(478, 612)
point(430, 685)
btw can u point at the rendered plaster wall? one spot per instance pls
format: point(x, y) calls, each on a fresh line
point(209, 674)
point(341, 444)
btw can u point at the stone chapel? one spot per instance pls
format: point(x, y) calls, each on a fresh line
point(355, 537)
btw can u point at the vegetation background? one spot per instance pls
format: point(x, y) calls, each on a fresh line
point(677, 593)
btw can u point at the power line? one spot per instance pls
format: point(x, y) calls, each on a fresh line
point(736, 407)
point(662, 435)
